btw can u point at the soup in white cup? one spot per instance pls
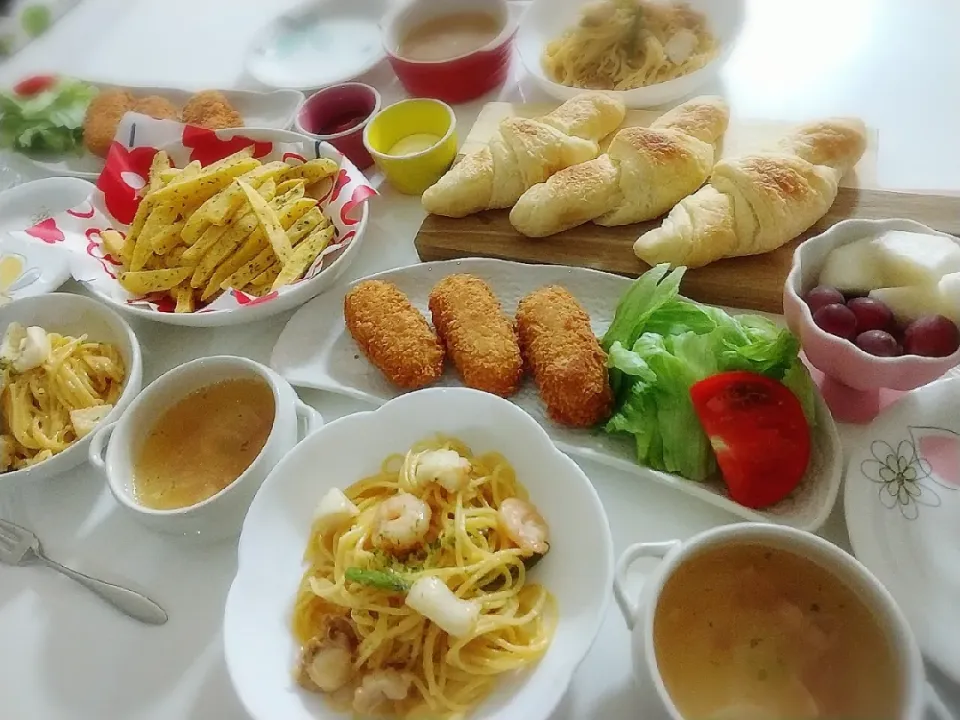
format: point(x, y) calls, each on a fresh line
point(223, 420)
point(760, 621)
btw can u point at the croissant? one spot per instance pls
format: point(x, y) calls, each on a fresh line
point(644, 173)
point(523, 153)
point(756, 203)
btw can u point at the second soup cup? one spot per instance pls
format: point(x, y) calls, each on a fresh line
point(115, 447)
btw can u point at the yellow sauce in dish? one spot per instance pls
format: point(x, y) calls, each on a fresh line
point(413, 144)
point(203, 443)
point(449, 36)
point(11, 267)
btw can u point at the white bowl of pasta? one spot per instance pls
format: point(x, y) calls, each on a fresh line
point(646, 53)
point(391, 623)
point(86, 360)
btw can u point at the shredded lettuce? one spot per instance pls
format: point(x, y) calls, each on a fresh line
point(50, 122)
point(660, 344)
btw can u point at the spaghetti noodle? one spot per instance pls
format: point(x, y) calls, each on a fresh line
point(628, 44)
point(417, 597)
point(55, 389)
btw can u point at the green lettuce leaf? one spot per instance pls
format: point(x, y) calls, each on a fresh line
point(49, 122)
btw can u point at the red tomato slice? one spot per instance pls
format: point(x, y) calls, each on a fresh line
point(34, 85)
point(758, 432)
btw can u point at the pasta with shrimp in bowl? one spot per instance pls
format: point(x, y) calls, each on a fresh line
point(434, 575)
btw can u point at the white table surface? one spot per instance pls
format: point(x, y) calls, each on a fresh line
point(64, 654)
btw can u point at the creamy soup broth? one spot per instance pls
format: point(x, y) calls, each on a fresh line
point(748, 632)
point(449, 36)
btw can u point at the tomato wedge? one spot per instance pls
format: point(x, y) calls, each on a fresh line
point(34, 85)
point(758, 432)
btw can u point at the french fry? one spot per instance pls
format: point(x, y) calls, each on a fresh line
point(174, 258)
point(312, 171)
point(228, 242)
point(288, 185)
point(303, 257)
point(269, 222)
point(114, 244)
point(266, 278)
point(167, 239)
point(219, 208)
point(139, 220)
point(186, 301)
point(151, 281)
point(160, 162)
point(197, 189)
point(159, 220)
point(212, 234)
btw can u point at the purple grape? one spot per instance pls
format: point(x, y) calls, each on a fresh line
point(837, 319)
point(871, 314)
point(879, 343)
point(931, 336)
point(823, 295)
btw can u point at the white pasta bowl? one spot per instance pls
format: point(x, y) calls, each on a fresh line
point(578, 570)
point(75, 315)
point(546, 20)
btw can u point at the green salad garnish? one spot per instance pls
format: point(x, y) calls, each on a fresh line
point(50, 122)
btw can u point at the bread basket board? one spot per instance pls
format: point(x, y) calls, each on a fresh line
point(753, 283)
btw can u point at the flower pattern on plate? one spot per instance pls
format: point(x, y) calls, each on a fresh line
point(905, 477)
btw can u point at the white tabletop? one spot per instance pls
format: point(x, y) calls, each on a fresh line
point(64, 654)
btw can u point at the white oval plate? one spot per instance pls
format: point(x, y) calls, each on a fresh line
point(902, 504)
point(546, 20)
point(578, 570)
point(44, 267)
point(319, 44)
point(315, 350)
point(275, 109)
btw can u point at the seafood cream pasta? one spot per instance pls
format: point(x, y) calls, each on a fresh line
point(628, 44)
point(417, 595)
point(56, 389)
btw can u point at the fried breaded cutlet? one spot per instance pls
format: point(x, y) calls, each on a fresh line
point(568, 364)
point(102, 118)
point(210, 109)
point(393, 334)
point(479, 338)
point(157, 107)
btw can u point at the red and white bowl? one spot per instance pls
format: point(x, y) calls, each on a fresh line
point(457, 79)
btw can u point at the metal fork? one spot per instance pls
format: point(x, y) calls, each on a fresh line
point(19, 546)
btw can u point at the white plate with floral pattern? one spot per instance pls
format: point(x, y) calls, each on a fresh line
point(315, 350)
point(902, 503)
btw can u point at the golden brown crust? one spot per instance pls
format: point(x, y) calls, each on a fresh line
point(393, 334)
point(102, 118)
point(835, 142)
point(157, 107)
point(479, 338)
point(210, 109)
point(568, 364)
point(590, 115)
point(705, 118)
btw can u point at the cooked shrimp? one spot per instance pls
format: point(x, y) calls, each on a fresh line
point(377, 686)
point(401, 522)
point(326, 660)
point(524, 525)
point(446, 468)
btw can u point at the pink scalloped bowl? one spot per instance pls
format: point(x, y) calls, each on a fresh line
point(839, 359)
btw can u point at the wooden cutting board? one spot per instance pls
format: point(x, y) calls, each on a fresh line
point(754, 283)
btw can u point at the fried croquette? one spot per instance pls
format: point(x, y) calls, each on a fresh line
point(393, 334)
point(210, 109)
point(568, 364)
point(479, 338)
point(157, 107)
point(103, 116)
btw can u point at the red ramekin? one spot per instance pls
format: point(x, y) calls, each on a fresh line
point(459, 79)
point(353, 100)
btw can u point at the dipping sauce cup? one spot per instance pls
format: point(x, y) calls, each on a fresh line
point(338, 115)
point(463, 76)
point(413, 142)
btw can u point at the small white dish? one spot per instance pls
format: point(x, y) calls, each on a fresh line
point(902, 504)
point(578, 570)
point(43, 267)
point(639, 615)
point(274, 109)
point(319, 43)
point(546, 20)
point(116, 444)
point(75, 315)
point(315, 350)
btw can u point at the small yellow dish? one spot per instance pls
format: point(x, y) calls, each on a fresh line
point(413, 142)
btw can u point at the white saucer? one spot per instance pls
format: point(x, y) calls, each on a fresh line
point(43, 265)
point(319, 43)
point(902, 504)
